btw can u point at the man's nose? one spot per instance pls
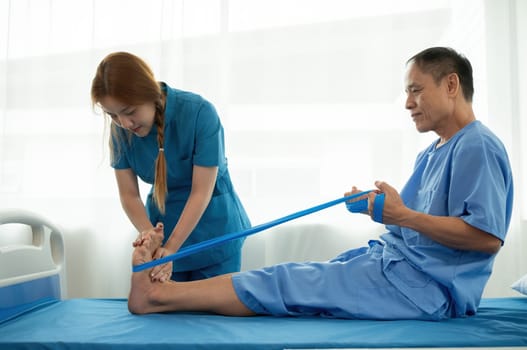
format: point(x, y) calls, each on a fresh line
point(410, 102)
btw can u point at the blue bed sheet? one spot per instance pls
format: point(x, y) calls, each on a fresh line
point(107, 324)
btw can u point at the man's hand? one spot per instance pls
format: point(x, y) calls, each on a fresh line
point(355, 190)
point(394, 209)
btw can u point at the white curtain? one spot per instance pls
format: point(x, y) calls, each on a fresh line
point(310, 93)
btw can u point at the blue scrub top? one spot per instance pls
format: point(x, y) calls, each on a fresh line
point(193, 135)
point(468, 177)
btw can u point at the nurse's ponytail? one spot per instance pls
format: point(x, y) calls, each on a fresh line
point(160, 180)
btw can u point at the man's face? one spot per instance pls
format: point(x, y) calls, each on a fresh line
point(427, 101)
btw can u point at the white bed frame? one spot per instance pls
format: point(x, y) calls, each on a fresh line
point(42, 257)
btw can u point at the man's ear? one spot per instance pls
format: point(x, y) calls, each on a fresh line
point(453, 85)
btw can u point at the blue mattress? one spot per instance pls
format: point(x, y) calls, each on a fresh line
point(107, 324)
point(33, 316)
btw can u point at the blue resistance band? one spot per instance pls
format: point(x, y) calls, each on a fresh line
point(354, 207)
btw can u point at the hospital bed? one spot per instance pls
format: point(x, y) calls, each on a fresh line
point(34, 314)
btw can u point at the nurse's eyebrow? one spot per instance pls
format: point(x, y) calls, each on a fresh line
point(124, 109)
point(121, 111)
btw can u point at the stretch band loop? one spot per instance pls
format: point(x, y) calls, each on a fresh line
point(378, 206)
point(356, 205)
point(361, 206)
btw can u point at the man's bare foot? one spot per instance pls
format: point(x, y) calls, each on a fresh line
point(141, 290)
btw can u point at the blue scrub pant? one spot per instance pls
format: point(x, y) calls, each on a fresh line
point(352, 285)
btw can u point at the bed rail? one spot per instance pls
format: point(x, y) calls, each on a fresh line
point(41, 258)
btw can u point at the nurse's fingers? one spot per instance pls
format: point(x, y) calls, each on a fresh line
point(161, 273)
point(138, 241)
point(165, 275)
point(155, 234)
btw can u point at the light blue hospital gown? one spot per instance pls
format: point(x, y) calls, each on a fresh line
point(405, 275)
point(193, 136)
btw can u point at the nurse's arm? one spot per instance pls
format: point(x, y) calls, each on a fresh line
point(131, 199)
point(450, 231)
point(203, 182)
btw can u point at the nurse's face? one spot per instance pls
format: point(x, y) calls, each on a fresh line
point(428, 102)
point(137, 119)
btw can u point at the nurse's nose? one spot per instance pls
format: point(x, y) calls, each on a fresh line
point(125, 122)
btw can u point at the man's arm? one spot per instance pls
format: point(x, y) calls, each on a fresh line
point(452, 232)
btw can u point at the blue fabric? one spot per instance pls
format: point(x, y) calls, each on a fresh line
point(102, 324)
point(468, 177)
point(352, 285)
point(410, 276)
point(193, 136)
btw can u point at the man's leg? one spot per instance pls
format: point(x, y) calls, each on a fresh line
point(215, 295)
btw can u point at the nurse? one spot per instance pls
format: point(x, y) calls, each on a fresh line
point(174, 140)
point(443, 230)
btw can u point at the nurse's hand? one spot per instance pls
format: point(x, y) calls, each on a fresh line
point(161, 273)
point(154, 233)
